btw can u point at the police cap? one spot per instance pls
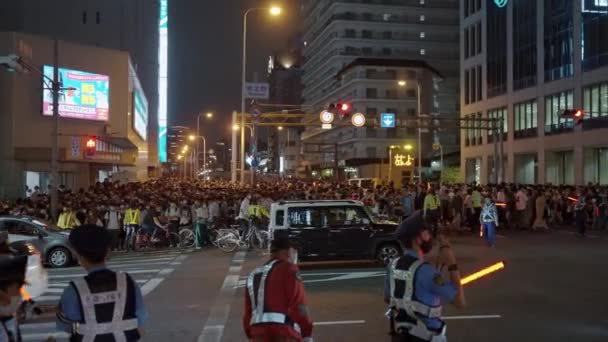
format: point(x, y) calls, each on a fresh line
point(411, 226)
point(90, 238)
point(12, 268)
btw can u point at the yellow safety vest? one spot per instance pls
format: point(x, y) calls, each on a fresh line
point(131, 216)
point(67, 220)
point(257, 211)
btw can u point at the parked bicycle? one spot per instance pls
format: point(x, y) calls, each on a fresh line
point(231, 239)
point(163, 238)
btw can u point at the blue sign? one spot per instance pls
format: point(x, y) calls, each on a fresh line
point(387, 120)
point(501, 3)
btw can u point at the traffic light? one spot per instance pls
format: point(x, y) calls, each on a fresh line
point(574, 114)
point(91, 147)
point(341, 109)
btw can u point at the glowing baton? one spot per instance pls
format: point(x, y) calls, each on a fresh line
point(573, 199)
point(25, 295)
point(482, 273)
point(499, 204)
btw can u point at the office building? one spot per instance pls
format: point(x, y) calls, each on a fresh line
point(522, 63)
point(102, 104)
point(130, 26)
point(357, 52)
point(177, 138)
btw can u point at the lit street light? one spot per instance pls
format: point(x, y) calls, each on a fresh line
point(403, 83)
point(209, 115)
point(274, 11)
point(280, 128)
point(191, 137)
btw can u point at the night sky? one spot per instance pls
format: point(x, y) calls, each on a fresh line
point(205, 43)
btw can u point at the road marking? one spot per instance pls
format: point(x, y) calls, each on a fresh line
point(151, 285)
point(339, 322)
point(447, 318)
point(235, 269)
point(165, 271)
point(76, 275)
point(214, 326)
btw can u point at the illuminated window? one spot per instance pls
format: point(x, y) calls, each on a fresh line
point(422, 35)
point(422, 17)
point(423, 52)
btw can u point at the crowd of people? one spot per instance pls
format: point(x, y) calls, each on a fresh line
point(175, 202)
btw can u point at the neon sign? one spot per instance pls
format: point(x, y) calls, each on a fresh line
point(404, 160)
point(501, 3)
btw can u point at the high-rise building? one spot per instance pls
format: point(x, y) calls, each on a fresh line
point(358, 52)
point(285, 88)
point(522, 63)
point(177, 138)
point(131, 26)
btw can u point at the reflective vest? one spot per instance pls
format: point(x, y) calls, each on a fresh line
point(107, 315)
point(131, 216)
point(488, 213)
point(409, 310)
point(256, 288)
point(257, 211)
point(67, 220)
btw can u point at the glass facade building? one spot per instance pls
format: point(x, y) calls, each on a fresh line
point(540, 58)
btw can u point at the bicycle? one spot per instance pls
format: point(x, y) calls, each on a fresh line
point(187, 237)
point(163, 238)
point(233, 239)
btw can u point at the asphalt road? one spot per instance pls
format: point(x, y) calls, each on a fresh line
point(552, 289)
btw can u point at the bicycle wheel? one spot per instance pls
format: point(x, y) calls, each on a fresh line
point(263, 238)
point(228, 243)
point(187, 238)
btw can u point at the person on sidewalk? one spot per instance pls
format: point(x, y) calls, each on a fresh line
point(275, 299)
point(489, 221)
point(112, 221)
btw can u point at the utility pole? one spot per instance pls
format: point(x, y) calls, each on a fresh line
point(55, 133)
point(233, 162)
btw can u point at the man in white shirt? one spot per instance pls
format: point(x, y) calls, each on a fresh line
point(521, 206)
point(112, 219)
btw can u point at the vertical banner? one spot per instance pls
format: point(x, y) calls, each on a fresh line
point(162, 80)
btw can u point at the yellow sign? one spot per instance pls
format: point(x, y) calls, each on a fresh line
point(404, 160)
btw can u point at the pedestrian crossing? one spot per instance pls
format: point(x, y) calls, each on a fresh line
point(148, 269)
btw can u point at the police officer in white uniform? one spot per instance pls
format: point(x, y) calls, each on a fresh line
point(103, 306)
point(415, 289)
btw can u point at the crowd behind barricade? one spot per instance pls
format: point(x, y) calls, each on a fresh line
point(174, 203)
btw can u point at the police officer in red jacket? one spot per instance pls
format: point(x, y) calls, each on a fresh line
point(275, 300)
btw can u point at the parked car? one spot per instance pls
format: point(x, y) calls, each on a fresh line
point(55, 249)
point(332, 230)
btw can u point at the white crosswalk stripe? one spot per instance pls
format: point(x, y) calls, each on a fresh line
point(148, 269)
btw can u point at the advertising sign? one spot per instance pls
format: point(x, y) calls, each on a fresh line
point(257, 91)
point(140, 113)
point(594, 6)
point(163, 48)
point(84, 95)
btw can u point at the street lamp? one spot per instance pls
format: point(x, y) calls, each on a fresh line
point(403, 83)
point(274, 11)
point(280, 128)
point(191, 137)
point(209, 115)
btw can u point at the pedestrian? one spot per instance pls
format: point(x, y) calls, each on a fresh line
point(275, 299)
point(201, 217)
point(131, 223)
point(103, 302)
point(489, 221)
point(540, 211)
point(112, 220)
point(476, 203)
point(12, 278)
point(521, 207)
point(432, 208)
point(415, 289)
point(407, 203)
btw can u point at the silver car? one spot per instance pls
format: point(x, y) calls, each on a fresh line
point(52, 242)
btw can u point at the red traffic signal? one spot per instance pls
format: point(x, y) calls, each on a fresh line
point(90, 146)
point(574, 114)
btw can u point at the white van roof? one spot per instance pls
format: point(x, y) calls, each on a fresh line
point(324, 203)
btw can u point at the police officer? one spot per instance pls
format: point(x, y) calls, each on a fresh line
point(12, 278)
point(415, 289)
point(103, 305)
point(275, 300)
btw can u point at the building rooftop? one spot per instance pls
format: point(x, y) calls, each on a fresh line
point(389, 62)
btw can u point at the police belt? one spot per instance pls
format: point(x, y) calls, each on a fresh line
point(275, 318)
point(419, 308)
point(424, 333)
point(105, 328)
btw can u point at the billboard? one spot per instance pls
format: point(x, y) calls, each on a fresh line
point(140, 113)
point(84, 95)
point(162, 79)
